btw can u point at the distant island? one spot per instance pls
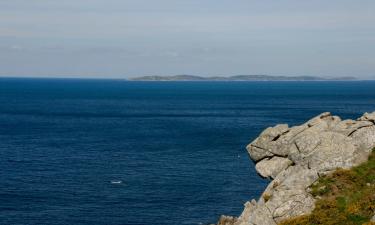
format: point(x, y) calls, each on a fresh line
point(238, 78)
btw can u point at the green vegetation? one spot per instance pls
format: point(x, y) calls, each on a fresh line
point(346, 197)
point(266, 197)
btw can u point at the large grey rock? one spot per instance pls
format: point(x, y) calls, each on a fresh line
point(348, 127)
point(368, 117)
point(295, 156)
point(263, 147)
point(289, 203)
point(288, 196)
point(248, 210)
point(325, 151)
point(364, 138)
point(323, 143)
point(272, 167)
point(261, 215)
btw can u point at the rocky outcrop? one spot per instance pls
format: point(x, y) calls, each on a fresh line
point(295, 157)
point(227, 220)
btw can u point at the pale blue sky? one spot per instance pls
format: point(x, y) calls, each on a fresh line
point(126, 38)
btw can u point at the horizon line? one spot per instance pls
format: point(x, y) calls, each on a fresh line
point(129, 79)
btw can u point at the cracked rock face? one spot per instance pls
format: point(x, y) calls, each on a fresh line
point(294, 157)
point(272, 167)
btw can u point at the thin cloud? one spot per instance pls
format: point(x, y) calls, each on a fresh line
point(201, 37)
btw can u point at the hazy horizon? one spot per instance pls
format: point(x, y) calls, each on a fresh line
point(132, 78)
point(130, 38)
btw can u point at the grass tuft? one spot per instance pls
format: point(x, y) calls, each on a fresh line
point(266, 197)
point(345, 197)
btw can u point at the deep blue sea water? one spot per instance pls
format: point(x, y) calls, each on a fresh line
point(178, 148)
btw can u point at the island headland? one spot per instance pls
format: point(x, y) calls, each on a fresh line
point(237, 78)
point(294, 158)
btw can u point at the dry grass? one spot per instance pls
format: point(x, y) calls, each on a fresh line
point(266, 197)
point(347, 197)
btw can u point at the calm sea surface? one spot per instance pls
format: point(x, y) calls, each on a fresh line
point(148, 153)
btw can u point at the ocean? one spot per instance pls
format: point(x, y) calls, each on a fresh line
point(111, 152)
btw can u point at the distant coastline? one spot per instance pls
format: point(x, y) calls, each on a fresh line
point(238, 78)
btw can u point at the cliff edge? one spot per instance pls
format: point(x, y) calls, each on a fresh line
point(295, 157)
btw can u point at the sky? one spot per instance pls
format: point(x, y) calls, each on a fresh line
point(129, 38)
